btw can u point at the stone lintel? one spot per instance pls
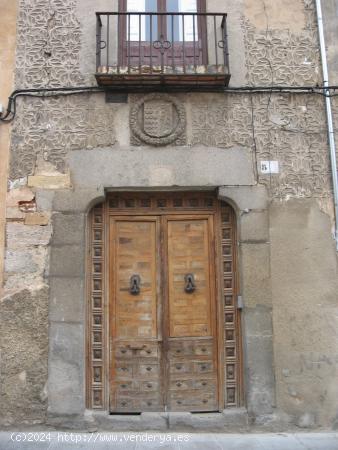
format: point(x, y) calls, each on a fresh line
point(145, 167)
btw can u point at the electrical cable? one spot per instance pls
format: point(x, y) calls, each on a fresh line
point(64, 91)
point(43, 92)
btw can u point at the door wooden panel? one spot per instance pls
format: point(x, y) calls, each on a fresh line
point(135, 315)
point(135, 342)
point(188, 253)
point(192, 346)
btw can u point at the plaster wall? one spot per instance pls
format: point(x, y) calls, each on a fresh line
point(279, 15)
point(7, 53)
point(67, 152)
point(330, 15)
point(305, 319)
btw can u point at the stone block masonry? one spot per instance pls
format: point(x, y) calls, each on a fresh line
point(68, 152)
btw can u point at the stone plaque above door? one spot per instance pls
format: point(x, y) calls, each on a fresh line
point(158, 119)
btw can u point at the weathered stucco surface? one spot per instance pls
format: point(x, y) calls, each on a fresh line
point(24, 350)
point(7, 64)
point(330, 12)
point(24, 317)
point(305, 311)
point(67, 151)
point(279, 14)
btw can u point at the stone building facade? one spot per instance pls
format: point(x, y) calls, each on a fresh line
point(71, 154)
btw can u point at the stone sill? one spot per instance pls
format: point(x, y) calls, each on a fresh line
point(230, 420)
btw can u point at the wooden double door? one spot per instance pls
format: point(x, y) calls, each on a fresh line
point(164, 335)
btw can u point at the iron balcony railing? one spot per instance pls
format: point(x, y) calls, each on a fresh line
point(165, 44)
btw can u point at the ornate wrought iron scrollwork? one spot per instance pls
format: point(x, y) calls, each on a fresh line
point(101, 45)
point(162, 44)
point(190, 285)
point(135, 281)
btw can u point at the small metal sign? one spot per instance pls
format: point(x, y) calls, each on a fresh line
point(269, 167)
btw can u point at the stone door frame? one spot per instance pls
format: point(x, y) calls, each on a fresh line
point(227, 318)
point(66, 379)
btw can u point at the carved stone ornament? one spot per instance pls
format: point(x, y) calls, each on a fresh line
point(157, 119)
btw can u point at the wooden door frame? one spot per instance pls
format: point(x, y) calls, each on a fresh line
point(97, 394)
point(220, 326)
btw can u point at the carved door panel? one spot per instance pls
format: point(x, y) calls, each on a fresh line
point(191, 357)
point(163, 344)
point(135, 335)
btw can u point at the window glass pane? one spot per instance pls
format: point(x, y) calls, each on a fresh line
point(176, 23)
point(140, 27)
point(172, 5)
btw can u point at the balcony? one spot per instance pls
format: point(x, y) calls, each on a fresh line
point(162, 51)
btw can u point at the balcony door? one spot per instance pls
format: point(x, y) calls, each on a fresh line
point(157, 33)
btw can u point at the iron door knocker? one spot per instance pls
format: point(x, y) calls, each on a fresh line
point(135, 281)
point(190, 285)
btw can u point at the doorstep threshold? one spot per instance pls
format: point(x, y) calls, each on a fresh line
point(234, 419)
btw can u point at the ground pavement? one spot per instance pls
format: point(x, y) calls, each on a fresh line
point(164, 441)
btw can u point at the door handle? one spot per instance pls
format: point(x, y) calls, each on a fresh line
point(190, 285)
point(135, 281)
